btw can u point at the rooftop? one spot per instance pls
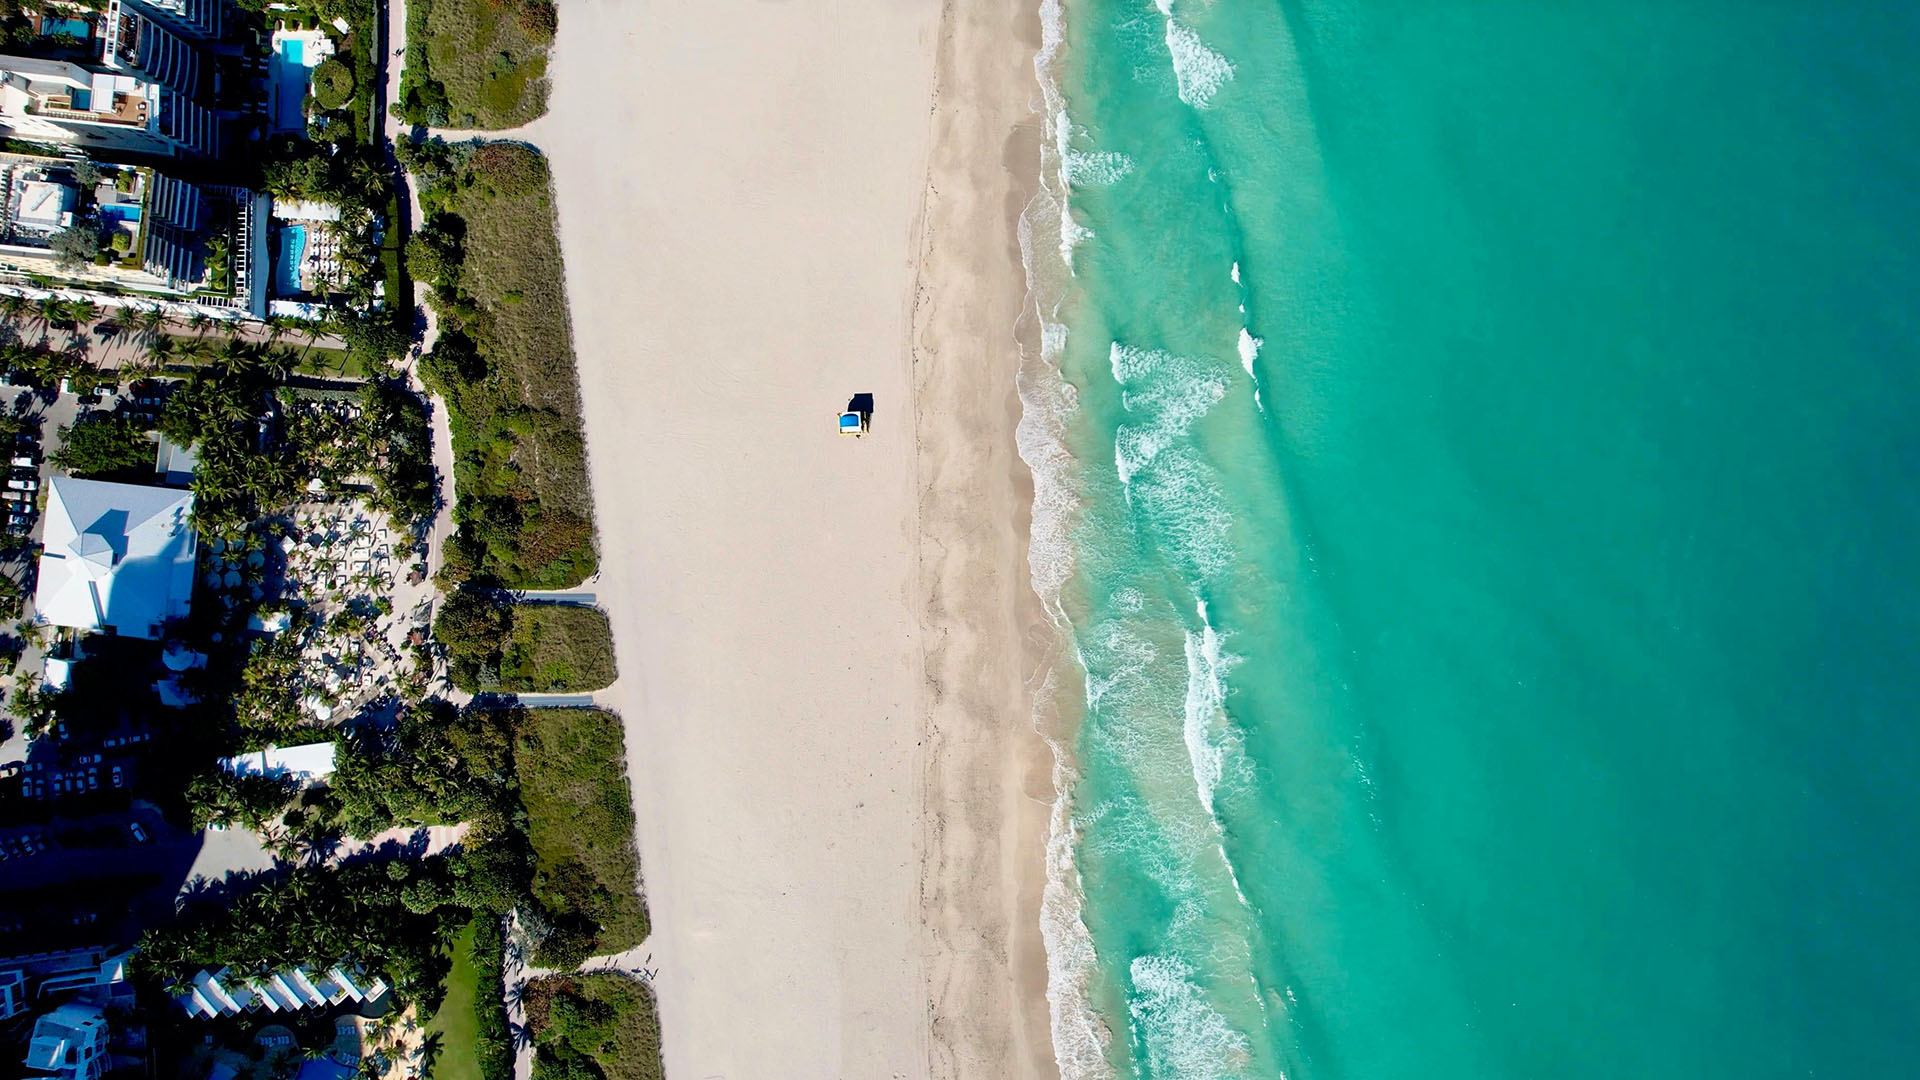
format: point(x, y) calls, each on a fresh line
point(115, 556)
point(309, 762)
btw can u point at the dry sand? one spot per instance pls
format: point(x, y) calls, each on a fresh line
point(766, 207)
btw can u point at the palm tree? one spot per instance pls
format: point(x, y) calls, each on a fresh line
point(83, 312)
point(161, 349)
point(14, 306)
point(280, 362)
point(194, 350)
point(51, 311)
point(149, 321)
point(200, 322)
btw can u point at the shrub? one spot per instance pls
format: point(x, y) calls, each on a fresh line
point(121, 241)
point(473, 627)
point(103, 446)
point(477, 63)
point(332, 84)
point(424, 260)
point(509, 168)
point(579, 813)
point(593, 1027)
point(494, 1040)
point(557, 649)
point(539, 19)
point(76, 246)
point(506, 371)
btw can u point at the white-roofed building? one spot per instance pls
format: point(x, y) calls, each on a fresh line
point(70, 1043)
point(116, 558)
point(307, 764)
point(42, 205)
point(211, 994)
point(305, 210)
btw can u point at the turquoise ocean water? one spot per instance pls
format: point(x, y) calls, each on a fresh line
point(1475, 450)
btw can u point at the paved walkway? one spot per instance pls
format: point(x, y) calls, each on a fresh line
point(638, 963)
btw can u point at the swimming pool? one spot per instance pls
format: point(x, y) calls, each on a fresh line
point(290, 75)
point(120, 212)
point(79, 28)
point(286, 267)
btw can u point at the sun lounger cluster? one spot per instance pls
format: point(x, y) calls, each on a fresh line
point(222, 993)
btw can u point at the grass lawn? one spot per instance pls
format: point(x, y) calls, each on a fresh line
point(329, 363)
point(609, 1019)
point(489, 59)
point(456, 1025)
point(573, 786)
point(557, 649)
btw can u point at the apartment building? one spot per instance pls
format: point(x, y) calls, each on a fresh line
point(160, 238)
point(105, 112)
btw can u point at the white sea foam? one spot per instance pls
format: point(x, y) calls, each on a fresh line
point(1205, 713)
point(1079, 1038)
point(1199, 71)
point(1249, 350)
point(1096, 168)
point(1185, 1036)
point(1167, 393)
point(1122, 656)
point(1179, 493)
point(1236, 274)
point(1047, 401)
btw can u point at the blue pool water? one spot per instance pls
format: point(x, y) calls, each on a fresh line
point(286, 268)
point(76, 27)
point(120, 212)
point(290, 78)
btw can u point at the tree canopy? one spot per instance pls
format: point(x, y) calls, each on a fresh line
point(332, 84)
point(104, 446)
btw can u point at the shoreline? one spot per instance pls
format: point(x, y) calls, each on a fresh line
point(989, 773)
point(824, 644)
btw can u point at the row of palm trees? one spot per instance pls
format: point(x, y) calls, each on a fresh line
point(153, 326)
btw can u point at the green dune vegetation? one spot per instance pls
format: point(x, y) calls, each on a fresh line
point(593, 1027)
point(543, 790)
point(573, 787)
point(476, 63)
point(495, 647)
point(504, 365)
point(544, 798)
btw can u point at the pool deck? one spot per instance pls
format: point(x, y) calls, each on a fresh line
point(314, 47)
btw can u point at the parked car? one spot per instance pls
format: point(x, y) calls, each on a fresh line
point(119, 777)
point(138, 833)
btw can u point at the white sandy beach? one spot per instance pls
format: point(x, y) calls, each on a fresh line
point(841, 805)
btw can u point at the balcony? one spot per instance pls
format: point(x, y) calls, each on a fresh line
point(128, 110)
point(126, 39)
